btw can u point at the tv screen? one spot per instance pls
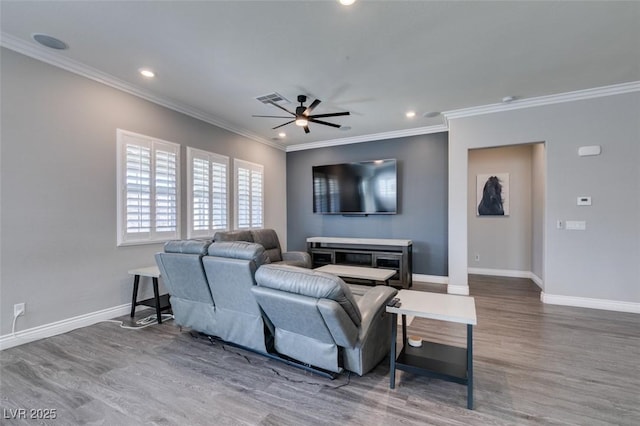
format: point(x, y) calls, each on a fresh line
point(365, 187)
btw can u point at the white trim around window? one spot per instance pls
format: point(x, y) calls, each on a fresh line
point(207, 192)
point(148, 182)
point(248, 194)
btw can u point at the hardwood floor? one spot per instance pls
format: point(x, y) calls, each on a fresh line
point(534, 364)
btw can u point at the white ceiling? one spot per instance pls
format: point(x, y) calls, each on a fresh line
point(376, 59)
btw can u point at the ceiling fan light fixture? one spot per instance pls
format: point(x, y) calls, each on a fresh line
point(301, 121)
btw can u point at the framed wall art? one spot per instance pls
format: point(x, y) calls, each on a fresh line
point(492, 191)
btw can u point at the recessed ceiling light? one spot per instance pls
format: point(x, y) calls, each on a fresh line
point(51, 42)
point(347, 2)
point(431, 114)
point(410, 114)
point(282, 134)
point(508, 99)
point(147, 72)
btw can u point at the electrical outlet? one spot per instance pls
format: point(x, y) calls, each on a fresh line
point(18, 309)
point(477, 257)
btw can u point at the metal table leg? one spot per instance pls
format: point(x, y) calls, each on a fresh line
point(392, 354)
point(469, 366)
point(134, 298)
point(156, 296)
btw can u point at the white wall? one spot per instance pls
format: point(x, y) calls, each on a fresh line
point(502, 242)
point(601, 262)
point(58, 211)
point(538, 197)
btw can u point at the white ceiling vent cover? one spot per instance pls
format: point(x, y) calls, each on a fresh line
point(273, 97)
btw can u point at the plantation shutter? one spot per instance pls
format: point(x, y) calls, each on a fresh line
point(208, 211)
point(249, 195)
point(148, 196)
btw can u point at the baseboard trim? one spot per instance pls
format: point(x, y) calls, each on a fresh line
point(586, 302)
point(59, 327)
point(434, 279)
point(512, 273)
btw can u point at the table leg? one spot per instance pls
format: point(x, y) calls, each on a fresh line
point(134, 298)
point(392, 355)
point(404, 329)
point(469, 366)
point(156, 296)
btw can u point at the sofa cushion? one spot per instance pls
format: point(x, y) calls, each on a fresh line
point(268, 238)
point(310, 283)
point(187, 246)
point(239, 250)
point(233, 236)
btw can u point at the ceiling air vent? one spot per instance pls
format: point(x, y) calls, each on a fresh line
point(273, 97)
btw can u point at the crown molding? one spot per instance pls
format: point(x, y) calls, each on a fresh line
point(42, 54)
point(578, 95)
point(369, 138)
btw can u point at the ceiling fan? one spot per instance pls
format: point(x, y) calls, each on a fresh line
point(301, 117)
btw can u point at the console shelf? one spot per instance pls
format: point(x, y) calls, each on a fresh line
point(367, 252)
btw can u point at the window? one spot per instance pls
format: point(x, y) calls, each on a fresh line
point(249, 185)
point(148, 195)
point(208, 193)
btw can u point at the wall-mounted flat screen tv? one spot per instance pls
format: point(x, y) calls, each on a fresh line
point(365, 187)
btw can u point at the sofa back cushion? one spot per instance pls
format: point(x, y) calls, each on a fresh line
point(181, 268)
point(268, 238)
point(233, 236)
point(239, 250)
point(230, 268)
point(309, 283)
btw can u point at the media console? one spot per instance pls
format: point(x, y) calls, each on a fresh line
point(368, 252)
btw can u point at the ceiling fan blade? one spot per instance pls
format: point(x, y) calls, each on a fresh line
point(331, 114)
point(306, 129)
point(281, 107)
point(288, 122)
point(312, 107)
point(270, 116)
point(313, 120)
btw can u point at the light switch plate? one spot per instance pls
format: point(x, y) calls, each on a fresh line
point(575, 225)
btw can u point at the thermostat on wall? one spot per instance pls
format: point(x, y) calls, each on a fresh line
point(584, 201)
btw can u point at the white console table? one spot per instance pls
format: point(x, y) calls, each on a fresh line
point(383, 253)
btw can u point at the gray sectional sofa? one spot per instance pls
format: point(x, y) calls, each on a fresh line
point(232, 291)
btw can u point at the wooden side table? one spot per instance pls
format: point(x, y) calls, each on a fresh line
point(160, 303)
point(433, 359)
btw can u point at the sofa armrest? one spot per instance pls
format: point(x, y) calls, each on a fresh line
point(372, 304)
point(297, 258)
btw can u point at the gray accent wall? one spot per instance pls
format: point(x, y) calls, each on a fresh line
point(422, 198)
point(58, 168)
point(600, 262)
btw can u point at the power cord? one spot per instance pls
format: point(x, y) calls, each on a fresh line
point(143, 322)
point(13, 326)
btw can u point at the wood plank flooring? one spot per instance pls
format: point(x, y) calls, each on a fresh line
point(534, 364)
